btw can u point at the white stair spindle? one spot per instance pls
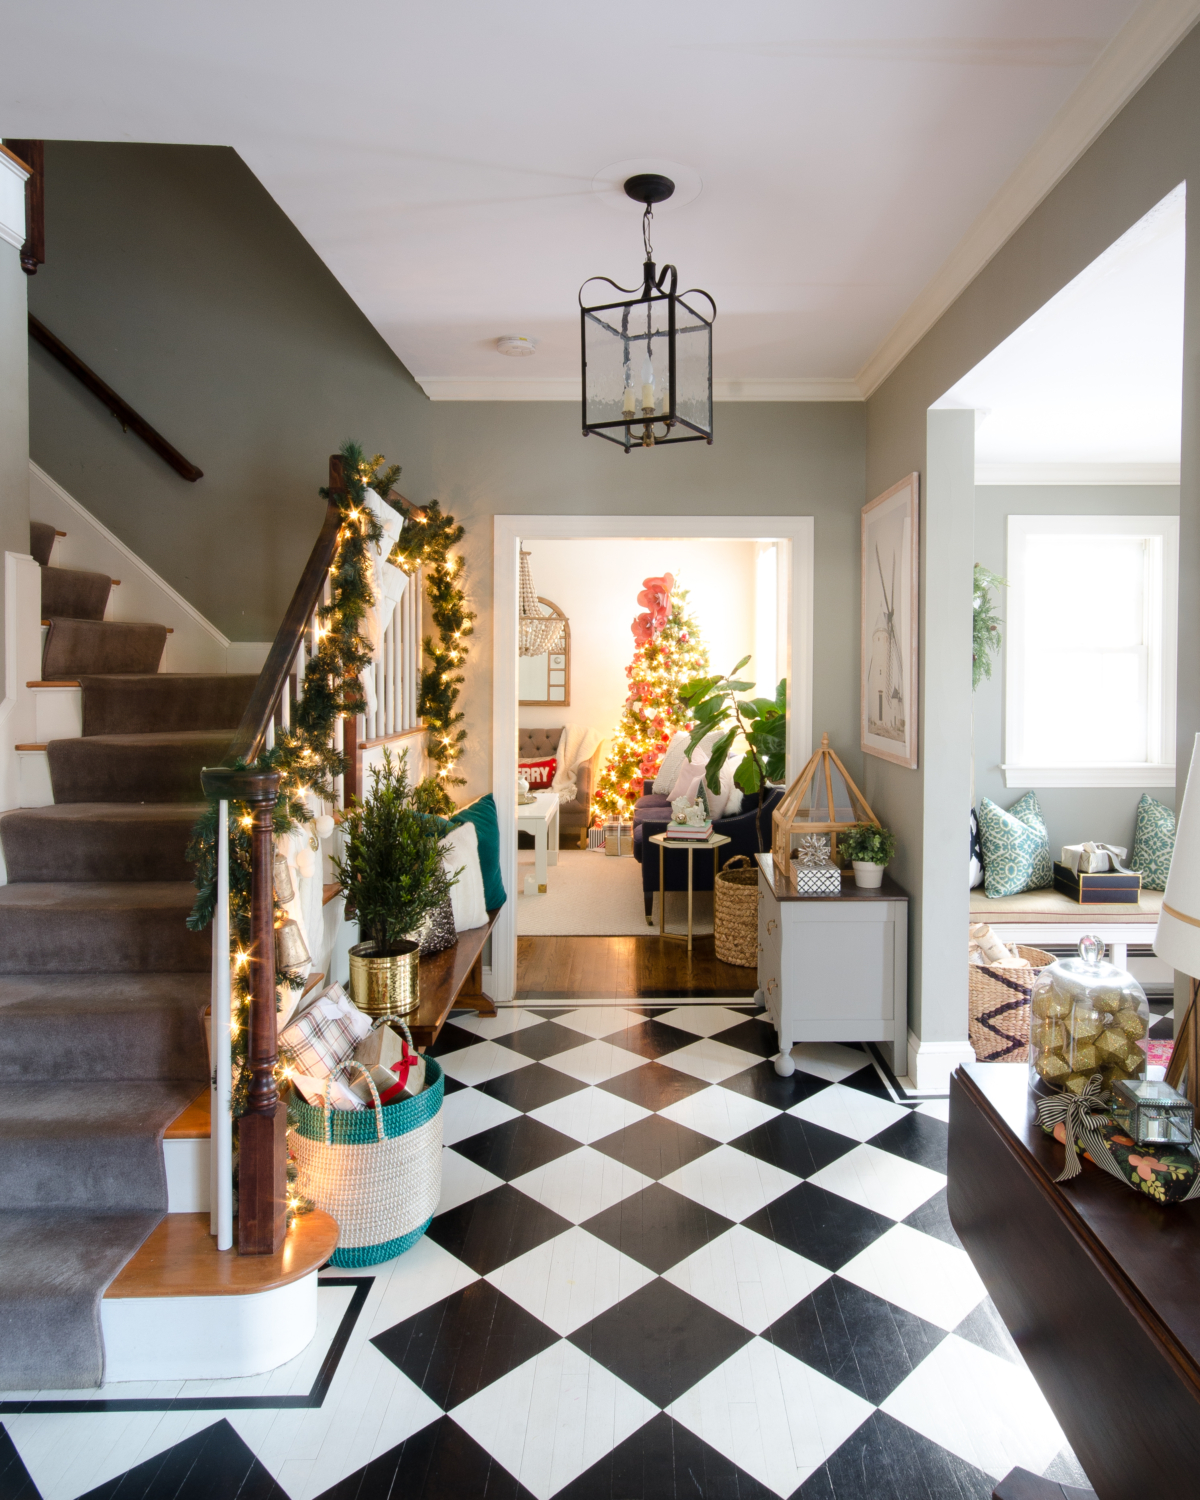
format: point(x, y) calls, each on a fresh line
point(397, 674)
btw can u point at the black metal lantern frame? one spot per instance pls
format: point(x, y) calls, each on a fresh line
point(624, 346)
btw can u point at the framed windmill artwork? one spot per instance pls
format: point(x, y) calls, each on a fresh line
point(889, 624)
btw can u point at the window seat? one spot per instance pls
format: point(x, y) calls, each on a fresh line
point(1046, 917)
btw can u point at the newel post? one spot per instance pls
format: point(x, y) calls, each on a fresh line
point(262, 1130)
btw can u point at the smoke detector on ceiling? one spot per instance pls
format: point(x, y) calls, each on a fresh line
point(516, 344)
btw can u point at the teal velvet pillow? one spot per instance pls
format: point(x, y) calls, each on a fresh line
point(482, 812)
point(1016, 847)
point(1153, 843)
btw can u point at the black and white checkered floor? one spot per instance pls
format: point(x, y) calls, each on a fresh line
point(658, 1270)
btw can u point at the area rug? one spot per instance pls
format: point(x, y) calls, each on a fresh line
point(592, 895)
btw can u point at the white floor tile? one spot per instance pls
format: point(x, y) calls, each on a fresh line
point(710, 1059)
point(730, 1182)
point(747, 1277)
point(701, 1020)
point(485, 1060)
point(595, 1062)
point(581, 1184)
point(600, 1020)
point(987, 1410)
point(936, 1109)
point(570, 1280)
point(773, 1416)
point(923, 1275)
point(67, 1455)
point(878, 1180)
point(849, 1112)
point(462, 1180)
point(589, 1114)
point(719, 1113)
point(553, 1417)
point(829, 1060)
point(420, 1277)
point(468, 1111)
point(506, 1020)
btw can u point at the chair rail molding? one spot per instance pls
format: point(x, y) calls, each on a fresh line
point(13, 173)
point(796, 536)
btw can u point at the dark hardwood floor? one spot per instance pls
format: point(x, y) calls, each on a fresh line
point(586, 968)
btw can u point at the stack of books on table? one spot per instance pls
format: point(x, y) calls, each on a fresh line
point(686, 833)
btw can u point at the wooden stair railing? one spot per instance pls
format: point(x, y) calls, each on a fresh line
point(262, 1144)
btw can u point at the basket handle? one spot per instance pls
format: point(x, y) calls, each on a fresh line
point(394, 1021)
point(358, 1067)
point(737, 859)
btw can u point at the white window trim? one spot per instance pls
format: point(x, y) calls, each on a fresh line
point(1156, 771)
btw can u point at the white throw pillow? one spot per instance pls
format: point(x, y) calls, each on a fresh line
point(718, 801)
point(671, 762)
point(687, 783)
point(460, 848)
point(734, 805)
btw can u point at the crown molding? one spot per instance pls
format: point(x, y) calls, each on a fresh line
point(567, 388)
point(1076, 473)
point(13, 173)
point(1154, 30)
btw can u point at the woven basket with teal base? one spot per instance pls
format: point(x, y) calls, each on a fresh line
point(377, 1171)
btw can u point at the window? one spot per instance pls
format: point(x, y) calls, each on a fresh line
point(1090, 654)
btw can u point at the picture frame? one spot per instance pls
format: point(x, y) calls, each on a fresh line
point(545, 681)
point(889, 628)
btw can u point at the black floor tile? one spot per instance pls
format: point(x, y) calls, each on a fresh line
point(209, 1463)
point(919, 1138)
point(1164, 1030)
point(651, 1039)
point(660, 1341)
point(453, 1038)
point(856, 1338)
point(655, 1146)
point(15, 1483)
point(984, 1326)
point(796, 1146)
point(441, 1462)
point(756, 1037)
point(538, 1042)
point(885, 1460)
point(664, 1461)
point(531, 1087)
point(495, 1228)
point(869, 1081)
point(451, 1085)
point(933, 1217)
point(818, 1225)
point(763, 1083)
point(516, 1147)
point(657, 1227)
point(461, 1344)
point(654, 1086)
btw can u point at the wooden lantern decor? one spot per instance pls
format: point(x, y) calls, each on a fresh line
point(822, 799)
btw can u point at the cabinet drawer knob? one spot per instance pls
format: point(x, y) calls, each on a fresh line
point(771, 986)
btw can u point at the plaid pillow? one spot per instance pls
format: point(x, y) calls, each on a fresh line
point(323, 1037)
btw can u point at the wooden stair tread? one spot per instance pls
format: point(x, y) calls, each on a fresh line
point(54, 682)
point(29, 747)
point(180, 1259)
point(194, 1122)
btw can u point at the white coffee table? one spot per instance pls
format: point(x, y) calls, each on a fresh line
point(540, 818)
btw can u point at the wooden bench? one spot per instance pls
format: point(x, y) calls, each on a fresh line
point(1047, 917)
point(452, 977)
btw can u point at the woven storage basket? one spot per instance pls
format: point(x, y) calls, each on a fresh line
point(998, 1007)
point(735, 913)
point(377, 1171)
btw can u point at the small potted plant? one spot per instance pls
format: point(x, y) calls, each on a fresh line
point(869, 848)
point(392, 875)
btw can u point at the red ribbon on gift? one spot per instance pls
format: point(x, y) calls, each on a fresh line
point(402, 1069)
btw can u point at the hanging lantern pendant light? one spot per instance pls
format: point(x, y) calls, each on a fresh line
point(647, 362)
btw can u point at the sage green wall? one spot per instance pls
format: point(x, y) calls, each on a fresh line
point(1150, 147)
point(173, 274)
point(1072, 813)
point(772, 459)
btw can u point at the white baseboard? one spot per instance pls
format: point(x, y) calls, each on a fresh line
point(930, 1064)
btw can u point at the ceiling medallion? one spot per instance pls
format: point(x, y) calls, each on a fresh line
point(647, 362)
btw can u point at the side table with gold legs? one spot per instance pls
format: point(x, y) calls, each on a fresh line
point(665, 842)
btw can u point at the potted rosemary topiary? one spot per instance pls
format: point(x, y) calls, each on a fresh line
point(391, 874)
point(869, 848)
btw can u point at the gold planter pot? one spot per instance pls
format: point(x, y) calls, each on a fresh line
point(388, 984)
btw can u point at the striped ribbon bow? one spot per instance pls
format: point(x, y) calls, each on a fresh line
point(1080, 1114)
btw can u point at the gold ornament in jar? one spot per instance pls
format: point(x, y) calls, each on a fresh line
point(1088, 1017)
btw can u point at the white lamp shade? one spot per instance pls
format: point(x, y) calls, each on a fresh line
point(1177, 940)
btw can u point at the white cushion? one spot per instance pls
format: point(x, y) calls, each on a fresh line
point(671, 762)
point(734, 805)
point(460, 849)
point(718, 801)
point(687, 783)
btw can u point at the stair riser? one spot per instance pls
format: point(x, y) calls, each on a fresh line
point(82, 771)
point(79, 1172)
point(161, 1046)
point(70, 593)
point(76, 647)
point(164, 704)
point(69, 941)
point(42, 850)
point(57, 714)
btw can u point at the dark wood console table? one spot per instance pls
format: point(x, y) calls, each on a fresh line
point(1099, 1286)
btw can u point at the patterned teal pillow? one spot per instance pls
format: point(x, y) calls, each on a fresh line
point(1153, 843)
point(1016, 847)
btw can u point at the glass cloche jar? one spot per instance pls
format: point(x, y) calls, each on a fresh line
point(1087, 1017)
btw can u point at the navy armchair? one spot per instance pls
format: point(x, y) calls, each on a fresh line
point(652, 814)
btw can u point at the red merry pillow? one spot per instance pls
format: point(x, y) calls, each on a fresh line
point(539, 773)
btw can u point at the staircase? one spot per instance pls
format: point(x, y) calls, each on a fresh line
point(102, 986)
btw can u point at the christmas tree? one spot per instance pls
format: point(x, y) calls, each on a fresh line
point(669, 653)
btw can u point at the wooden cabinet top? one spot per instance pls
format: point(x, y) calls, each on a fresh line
point(1149, 1253)
point(782, 890)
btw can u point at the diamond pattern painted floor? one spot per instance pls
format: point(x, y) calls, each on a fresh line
point(658, 1270)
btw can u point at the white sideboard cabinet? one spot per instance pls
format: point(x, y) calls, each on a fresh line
point(833, 968)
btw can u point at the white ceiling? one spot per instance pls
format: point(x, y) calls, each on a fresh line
point(1095, 377)
point(448, 160)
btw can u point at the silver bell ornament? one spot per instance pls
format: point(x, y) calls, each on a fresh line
point(285, 891)
point(291, 951)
